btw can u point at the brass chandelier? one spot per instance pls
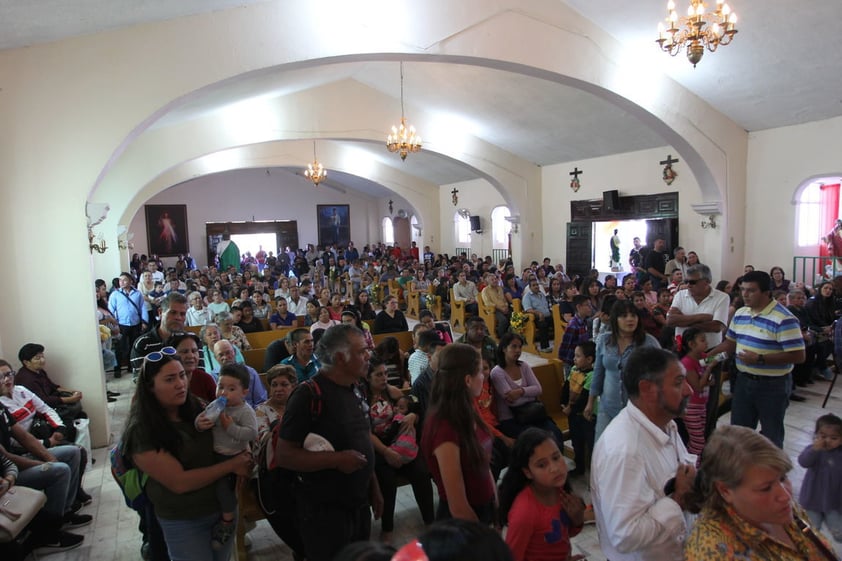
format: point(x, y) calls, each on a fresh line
point(697, 30)
point(315, 171)
point(403, 139)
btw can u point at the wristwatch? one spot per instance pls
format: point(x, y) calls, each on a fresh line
point(760, 359)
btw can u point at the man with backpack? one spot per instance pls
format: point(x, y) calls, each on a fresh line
point(325, 438)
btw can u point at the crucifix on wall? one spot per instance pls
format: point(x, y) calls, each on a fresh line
point(454, 196)
point(574, 183)
point(669, 174)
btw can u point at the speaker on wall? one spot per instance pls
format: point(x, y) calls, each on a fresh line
point(475, 225)
point(611, 200)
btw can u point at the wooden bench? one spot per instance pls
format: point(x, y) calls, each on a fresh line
point(262, 339)
point(255, 358)
point(551, 377)
point(457, 312)
point(487, 313)
point(404, 338)
point(559, 327)
point(413, 304)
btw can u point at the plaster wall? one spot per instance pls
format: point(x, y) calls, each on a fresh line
point(478, 196)
point(780, 161)
point(632, 173)
point(247, 195)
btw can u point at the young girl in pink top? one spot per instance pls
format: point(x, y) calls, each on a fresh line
point(693, 345)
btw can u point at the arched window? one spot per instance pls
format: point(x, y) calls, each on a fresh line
point(415, 229)
point(463, 228)
point(388, 231)
point(500, 227)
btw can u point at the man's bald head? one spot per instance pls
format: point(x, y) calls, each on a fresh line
point(223, 350)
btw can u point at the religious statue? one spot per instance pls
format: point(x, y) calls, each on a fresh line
point(615, 252)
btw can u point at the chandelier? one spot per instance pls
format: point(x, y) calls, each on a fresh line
point(403, 139)
point(315, 171)
point(697, 30)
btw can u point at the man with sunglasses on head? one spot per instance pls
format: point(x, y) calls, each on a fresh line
point(700, 305)
point(173, 316)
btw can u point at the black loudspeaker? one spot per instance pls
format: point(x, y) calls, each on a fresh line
point(475, 225)
point(611, 200)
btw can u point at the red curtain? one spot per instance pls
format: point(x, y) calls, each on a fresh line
point(828, 217)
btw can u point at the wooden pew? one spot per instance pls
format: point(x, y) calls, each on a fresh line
point(255, 358)
point(262, 339)
point(551, 377)
point(413, 304)
point(404, 338)
point(457, 312)
point(559, 327)
point(489, 317)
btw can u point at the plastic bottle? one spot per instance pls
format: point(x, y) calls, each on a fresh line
point(719, 357)
point(215, 408)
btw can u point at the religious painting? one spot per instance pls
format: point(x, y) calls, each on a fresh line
point(166, 230)
point(334, 223)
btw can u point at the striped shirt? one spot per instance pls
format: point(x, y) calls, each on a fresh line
point(774, 329)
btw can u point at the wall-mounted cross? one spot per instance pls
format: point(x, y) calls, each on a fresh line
point(576, 172)
point(669, 161)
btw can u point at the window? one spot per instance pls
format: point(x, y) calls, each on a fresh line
point(463, 228)
point(500, 227)
point(388, 231)
point(809, 216)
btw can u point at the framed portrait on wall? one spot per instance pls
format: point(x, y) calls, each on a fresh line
point(166, 229)
point(334, 222)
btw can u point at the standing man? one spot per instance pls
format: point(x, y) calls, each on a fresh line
point(128, 308)
point(337, 488)
point(679, 261)
point(768, 342)
point(429, 257)
point(636, 260)
point(302, 359)
point(656, 263)
point(536, 304)
point(700, 305)
point(641, 472)
point(173, 316)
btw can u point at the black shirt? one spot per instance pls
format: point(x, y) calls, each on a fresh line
point(343, 420)
point(147, 343)
point(657, 260)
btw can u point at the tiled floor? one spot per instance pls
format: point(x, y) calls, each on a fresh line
point(114, 535)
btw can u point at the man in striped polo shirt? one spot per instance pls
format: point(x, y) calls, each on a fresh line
point(767, 340)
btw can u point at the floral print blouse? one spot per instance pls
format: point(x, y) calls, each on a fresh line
point(726, 536)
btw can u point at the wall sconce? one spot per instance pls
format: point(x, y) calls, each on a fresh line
point(710, 223)
point(98, 247)
point(515, 222)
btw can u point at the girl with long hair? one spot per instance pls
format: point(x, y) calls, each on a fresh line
point(537, 502)
point(456, 442)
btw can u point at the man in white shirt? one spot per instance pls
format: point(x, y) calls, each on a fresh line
point(700, 305)
point(297, 303)
point(641, 471)
point(466, 291)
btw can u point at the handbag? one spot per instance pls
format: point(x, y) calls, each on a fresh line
point(529, 413)
point(18, 506)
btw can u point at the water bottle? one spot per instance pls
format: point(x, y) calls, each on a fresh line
point(215, 408)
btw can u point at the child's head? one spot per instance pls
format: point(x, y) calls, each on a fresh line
point(486, 363)
point(829, 427)
point(233, 383)
point(535, 460)
point(584, 356)
point(402, 405)
point(693, 341)
point(159, 286)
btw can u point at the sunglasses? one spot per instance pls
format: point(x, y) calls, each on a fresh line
point(157, 356)
point(692, 282)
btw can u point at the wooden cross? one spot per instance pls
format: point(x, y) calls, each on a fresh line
point(576, 172)
point(669, 161)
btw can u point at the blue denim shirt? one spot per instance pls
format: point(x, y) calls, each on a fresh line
point(607, 381)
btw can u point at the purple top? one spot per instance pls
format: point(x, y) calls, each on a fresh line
point(503, 384)
point(821, 490)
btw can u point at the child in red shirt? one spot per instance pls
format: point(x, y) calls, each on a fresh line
point(536, 501)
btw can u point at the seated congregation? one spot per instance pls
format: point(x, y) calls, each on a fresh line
point(331, 403)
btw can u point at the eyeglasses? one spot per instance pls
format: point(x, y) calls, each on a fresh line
point(692, 282)
point(157, 356)
point(9, 374)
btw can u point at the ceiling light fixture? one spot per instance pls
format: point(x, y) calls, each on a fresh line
point(697, 30)
point(403, 139)
point(315, 171)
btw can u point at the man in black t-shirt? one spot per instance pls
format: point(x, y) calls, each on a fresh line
point(656, 263)
point(337, 488)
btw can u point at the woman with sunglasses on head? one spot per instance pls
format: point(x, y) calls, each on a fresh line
point(161, 440)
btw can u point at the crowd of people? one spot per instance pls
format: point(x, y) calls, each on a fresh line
point(644, 359)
